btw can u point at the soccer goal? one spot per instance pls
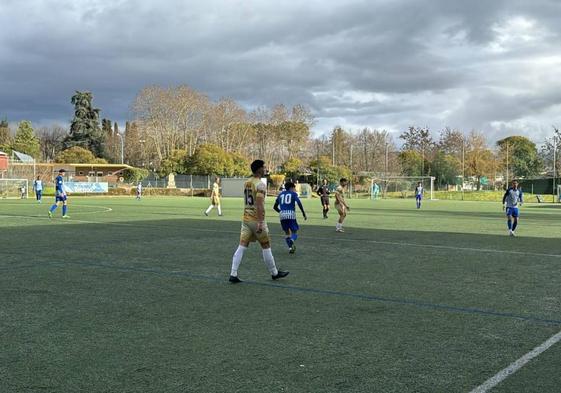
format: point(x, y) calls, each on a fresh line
point(12, 188)
point(400, 186)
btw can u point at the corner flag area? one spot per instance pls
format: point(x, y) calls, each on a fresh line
point(133, 296)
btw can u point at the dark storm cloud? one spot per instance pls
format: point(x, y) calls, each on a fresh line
point(385, 64)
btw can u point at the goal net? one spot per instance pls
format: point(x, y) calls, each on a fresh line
point(14, 188)
point(400, 187)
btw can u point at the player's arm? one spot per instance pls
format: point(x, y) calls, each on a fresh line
point(344, 202)
point(301, 208)
point(320, 191)
point(276, 205)
point(504, 197)
point(521, 198)
point(260, 206)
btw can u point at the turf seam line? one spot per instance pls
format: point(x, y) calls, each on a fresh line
point(517, 365)
point(408, 302)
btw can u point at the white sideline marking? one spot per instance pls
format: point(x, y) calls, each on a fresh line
point(517, 365)
point(106, 210)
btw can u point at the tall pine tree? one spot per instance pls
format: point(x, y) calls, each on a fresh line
point(85, 130)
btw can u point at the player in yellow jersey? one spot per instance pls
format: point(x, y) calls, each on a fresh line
point(341, 205)
point(254, 227)
point(215, 197)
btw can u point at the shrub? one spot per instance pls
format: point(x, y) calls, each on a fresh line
point(134, 175)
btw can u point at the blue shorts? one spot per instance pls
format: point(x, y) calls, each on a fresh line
point(418, 197)
point(60, 198)
point(289, 224)
point(512, 211)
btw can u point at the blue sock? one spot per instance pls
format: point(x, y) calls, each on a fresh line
point(514, 225)
point(53, 208)
point(294, 237)
point(64, 210)
point(288, 241)
point(509, 223)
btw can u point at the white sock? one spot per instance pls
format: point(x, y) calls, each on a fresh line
point(209, 209)
point(270, 261)
point(237, 259)
point(338, 225)
point(219, 210)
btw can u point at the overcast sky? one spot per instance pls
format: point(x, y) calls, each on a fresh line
point(492, 65)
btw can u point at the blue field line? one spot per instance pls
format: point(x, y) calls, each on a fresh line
point(376, 298)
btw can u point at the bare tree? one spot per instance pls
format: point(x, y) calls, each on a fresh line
point(51, 140)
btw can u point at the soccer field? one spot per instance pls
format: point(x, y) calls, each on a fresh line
point(133, 296)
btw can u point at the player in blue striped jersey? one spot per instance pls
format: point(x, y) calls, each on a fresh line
point(285, 205)
point(511, 200)
point(60, 195)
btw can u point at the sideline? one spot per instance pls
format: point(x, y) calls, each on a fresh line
point(517, 365)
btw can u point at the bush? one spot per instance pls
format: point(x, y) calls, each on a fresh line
point(78, 155)
point(134, 175)
point(277, 180)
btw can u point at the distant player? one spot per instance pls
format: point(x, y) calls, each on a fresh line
point(323, 193)
point(287, 201)
point(23, 192)
point(60, 195)
point(38, 188)
point(511, 200)
point(139, 191)
point(254, 227)
point(419, 194)
point(340, 204)
point(215, 197)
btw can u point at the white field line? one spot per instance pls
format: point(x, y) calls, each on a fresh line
point(517, 365)
point(105, 210)
point(330, 239)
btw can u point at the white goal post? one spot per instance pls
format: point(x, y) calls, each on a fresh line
point(11, 188)
point(404, 185)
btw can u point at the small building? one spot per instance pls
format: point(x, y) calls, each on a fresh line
point(3, 161)
point(109, 173)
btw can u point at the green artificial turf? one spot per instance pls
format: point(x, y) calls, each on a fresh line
point(133, 296)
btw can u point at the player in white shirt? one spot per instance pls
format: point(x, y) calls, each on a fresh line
point(38, 187)
point(139, 191)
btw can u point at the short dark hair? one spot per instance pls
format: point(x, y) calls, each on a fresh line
point(343, 180)
point(61, 171)
point(256, 165)
point(288, 185)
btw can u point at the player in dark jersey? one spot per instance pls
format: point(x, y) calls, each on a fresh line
point(285, 205)
point(323, 193)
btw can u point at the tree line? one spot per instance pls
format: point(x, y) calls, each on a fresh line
point(181, 130)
